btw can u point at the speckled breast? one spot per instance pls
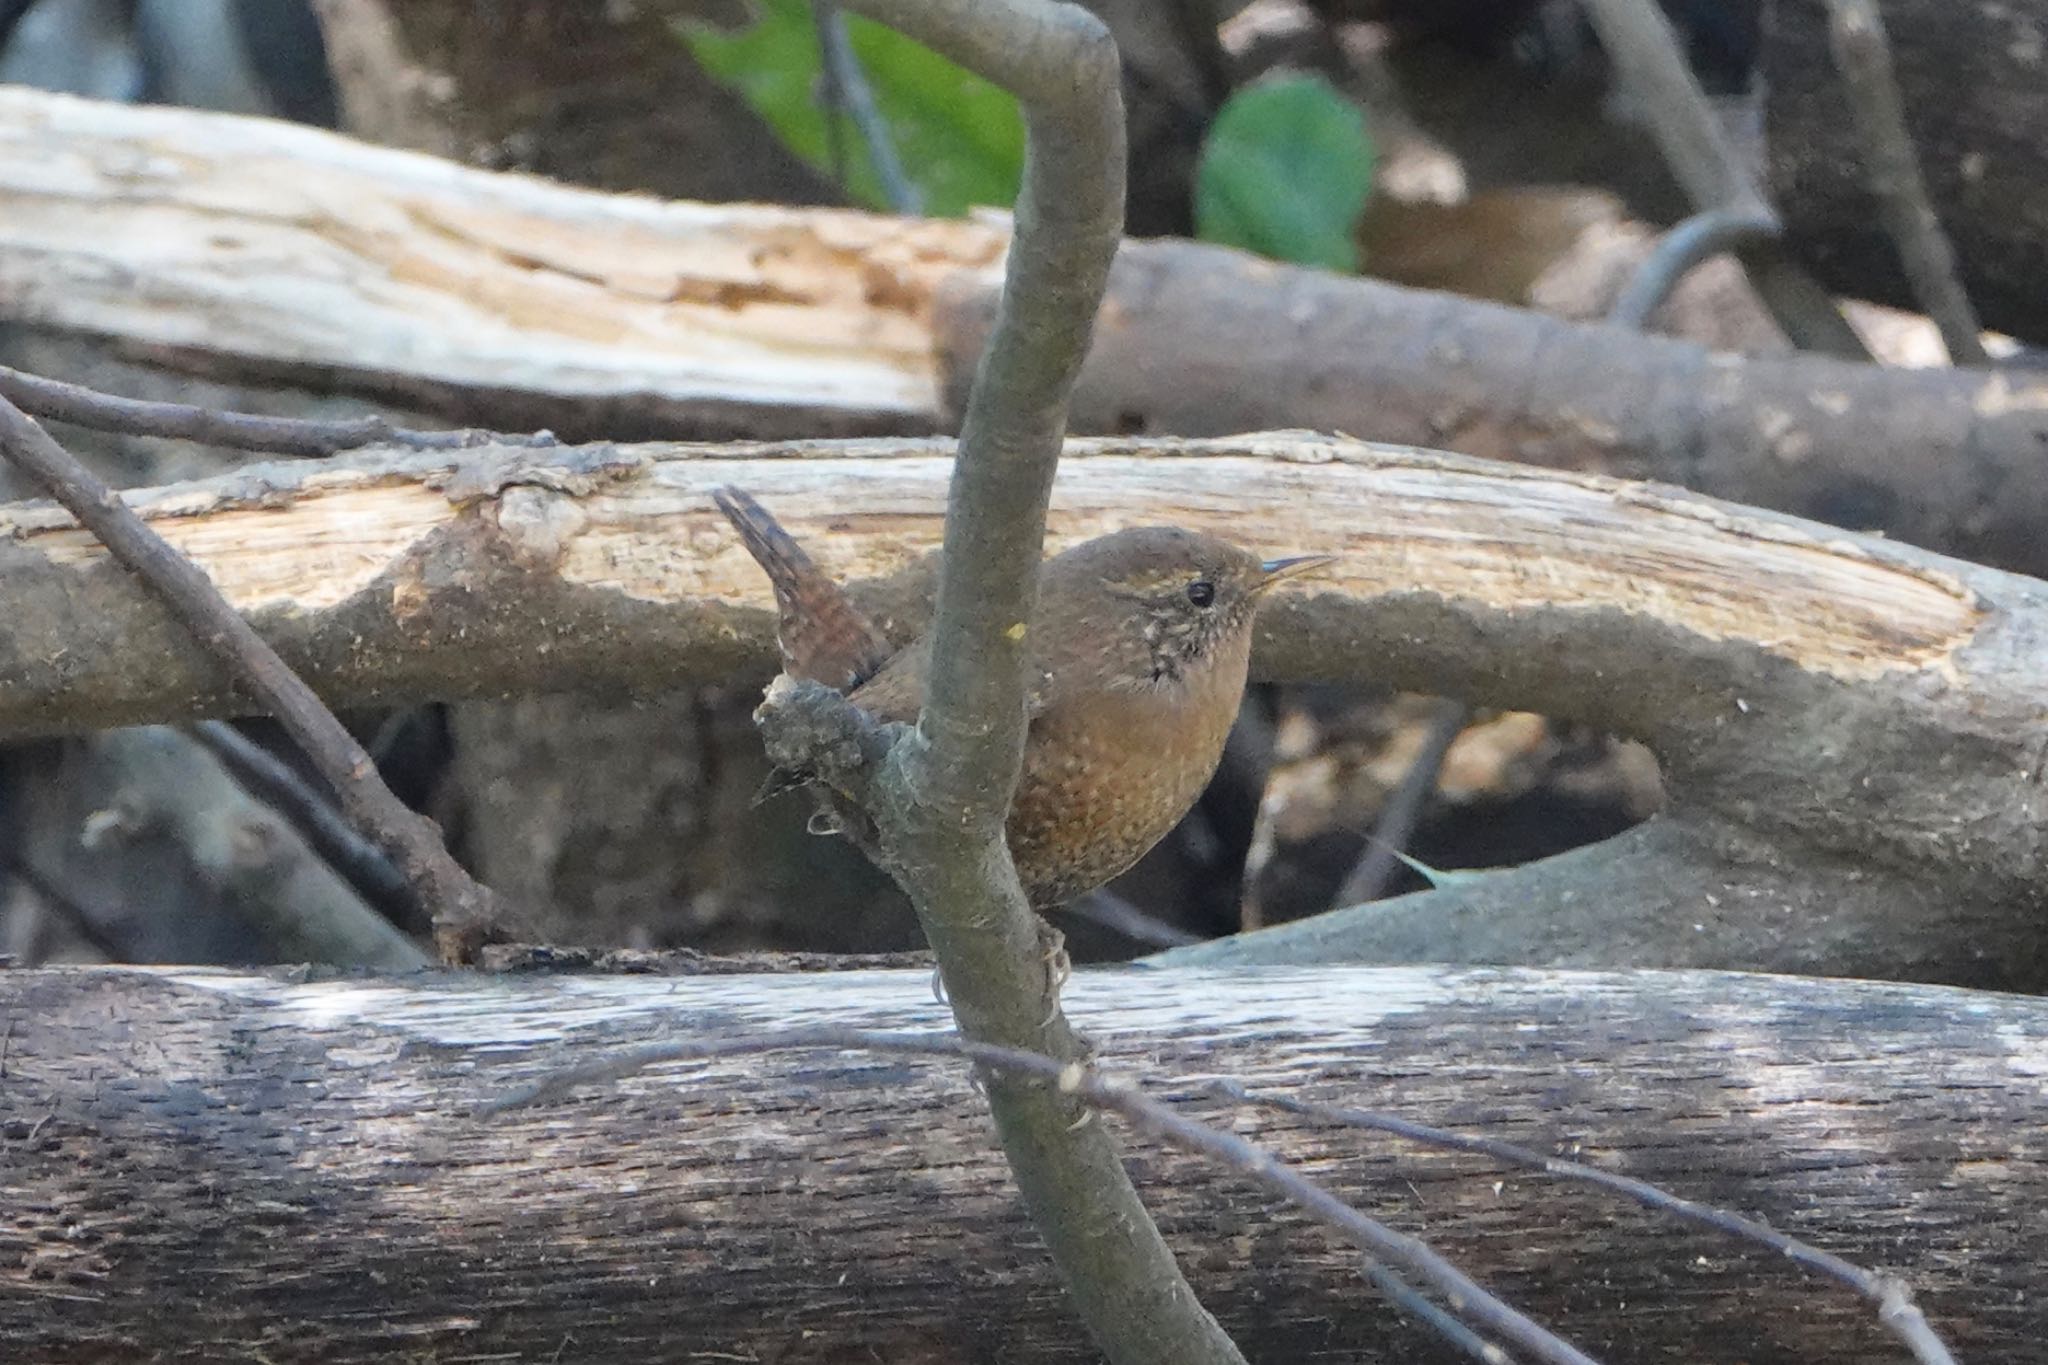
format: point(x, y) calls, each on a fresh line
point(1108, 775)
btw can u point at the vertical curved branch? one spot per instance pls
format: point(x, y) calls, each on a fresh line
point(938, 794)
point(1640, 41)
point(1061, 63)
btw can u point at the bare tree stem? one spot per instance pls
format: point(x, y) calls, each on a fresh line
point(937, 794)
point(463, 911)
point(1644, 48)
point(1863, 55)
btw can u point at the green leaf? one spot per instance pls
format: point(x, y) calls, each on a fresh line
point(1285, 172)
point(959, 137)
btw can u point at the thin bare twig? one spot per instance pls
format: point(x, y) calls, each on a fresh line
point(1693, 242)
point(847, 91)
point(170, 786)
point(1894, 1301)
point(1368, 879)
point(274, 782)
point(1407, 1299)
point(1112, 912)
point(1640, 41)
point(1863, 55)
point(1118, 1096)
point(464, 912)
point(55, 401)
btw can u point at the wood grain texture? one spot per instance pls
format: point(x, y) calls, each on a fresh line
point(289, 252)
point(202, 1165)
point(266, 252)
point(1853, 731)
point(633, 529)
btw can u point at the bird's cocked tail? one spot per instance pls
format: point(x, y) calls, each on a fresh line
point(823, 636)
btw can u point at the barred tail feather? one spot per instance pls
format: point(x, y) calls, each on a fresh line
point(823, 636)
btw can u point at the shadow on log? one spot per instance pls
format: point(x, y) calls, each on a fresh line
point(208, 1165)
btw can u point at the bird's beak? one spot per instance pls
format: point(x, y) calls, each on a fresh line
point(1279, 570)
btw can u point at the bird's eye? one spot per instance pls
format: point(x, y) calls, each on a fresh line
point(1201, 592)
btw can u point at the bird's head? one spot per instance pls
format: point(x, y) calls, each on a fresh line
point(1189, 595)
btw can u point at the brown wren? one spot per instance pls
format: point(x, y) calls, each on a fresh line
point(1139, 649)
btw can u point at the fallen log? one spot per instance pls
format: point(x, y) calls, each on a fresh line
point(274, 253)
point(206, 1165)
point(1198, 341)
point(278, 252)
point(1853, 732)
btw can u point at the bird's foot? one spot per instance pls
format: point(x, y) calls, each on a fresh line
point(1059, 967)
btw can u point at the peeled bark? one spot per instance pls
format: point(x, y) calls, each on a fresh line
point(267, 251)
point(629, 823)
point(277, 252)
point(201, 1165)
point(1852, 730)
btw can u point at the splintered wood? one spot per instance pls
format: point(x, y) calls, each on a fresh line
point(290, 247)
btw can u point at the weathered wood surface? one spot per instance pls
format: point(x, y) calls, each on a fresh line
point(1971, 78)
point(504, 568)
point(206, 1166)
point(258, 250)
point(1853, 731)
point(276, 250)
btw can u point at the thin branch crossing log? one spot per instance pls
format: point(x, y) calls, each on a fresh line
point(217, 1165)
